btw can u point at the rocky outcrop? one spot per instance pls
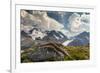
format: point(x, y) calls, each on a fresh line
point(48, 52)
point(26, 41)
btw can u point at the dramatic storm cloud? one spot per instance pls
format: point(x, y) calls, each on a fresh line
point(85, 20)
point(69, 23)
point(77, 23)
point(41, 19)
point(74, 22)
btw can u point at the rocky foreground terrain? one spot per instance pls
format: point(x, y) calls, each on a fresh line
point(54, 52)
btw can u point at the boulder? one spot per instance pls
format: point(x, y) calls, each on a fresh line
point(26, 41)
point(45, 54)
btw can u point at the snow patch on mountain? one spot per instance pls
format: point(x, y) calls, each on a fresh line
point(66, 42)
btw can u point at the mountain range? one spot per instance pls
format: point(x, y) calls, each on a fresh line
point(34, 27)
point(56, 36)
point(81, 39)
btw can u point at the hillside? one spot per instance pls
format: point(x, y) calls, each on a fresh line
point(52, 53)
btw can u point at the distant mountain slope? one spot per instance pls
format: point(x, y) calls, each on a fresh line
point(56, 36)
point(81, 39)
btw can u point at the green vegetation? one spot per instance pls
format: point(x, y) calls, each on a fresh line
point(24, 55)
point(75, 52)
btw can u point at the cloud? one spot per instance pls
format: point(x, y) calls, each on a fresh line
point(53, 24)
point(85, 21)
point(85, 18)
point(41, 19)
point(76, 24)
point(79, 23)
